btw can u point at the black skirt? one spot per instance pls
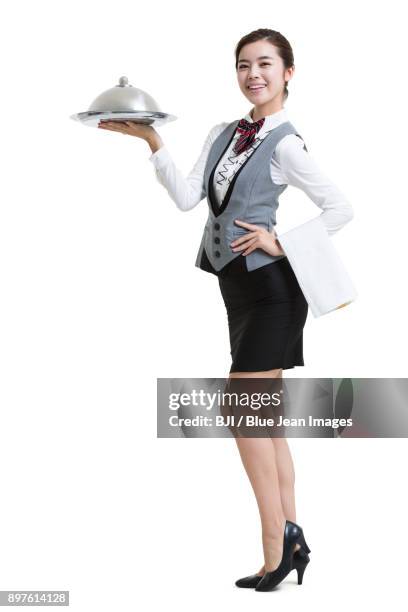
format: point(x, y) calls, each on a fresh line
point(266, 312)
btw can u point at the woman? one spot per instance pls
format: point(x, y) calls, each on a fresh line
point(265, 306)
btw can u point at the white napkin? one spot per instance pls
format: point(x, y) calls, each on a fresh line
point(318, 268)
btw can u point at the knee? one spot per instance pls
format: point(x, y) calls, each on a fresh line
point(274, 373)
point(277, 373)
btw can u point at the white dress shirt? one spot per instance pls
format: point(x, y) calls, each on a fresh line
point(319, 270)
point(291, 164)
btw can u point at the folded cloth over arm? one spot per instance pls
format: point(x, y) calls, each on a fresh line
point(318, 268)
point(309, 248)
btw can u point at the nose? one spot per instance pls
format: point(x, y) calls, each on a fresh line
point(253, 72)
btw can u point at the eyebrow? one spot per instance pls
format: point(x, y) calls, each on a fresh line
point(262, 57)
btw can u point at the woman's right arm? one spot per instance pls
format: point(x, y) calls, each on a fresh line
point(188, 191)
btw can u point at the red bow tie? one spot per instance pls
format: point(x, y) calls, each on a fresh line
point(247, 132)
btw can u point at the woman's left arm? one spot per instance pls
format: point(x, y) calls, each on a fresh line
point(298, 168)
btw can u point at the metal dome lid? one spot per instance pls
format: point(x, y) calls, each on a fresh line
point(124, 102)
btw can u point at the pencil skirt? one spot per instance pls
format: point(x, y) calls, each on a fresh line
point(266, 312)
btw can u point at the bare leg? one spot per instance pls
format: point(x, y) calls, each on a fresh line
point(259, 458)
point(284, 472)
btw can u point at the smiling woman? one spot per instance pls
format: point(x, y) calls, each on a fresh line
point(265, 74)
point(244, 167)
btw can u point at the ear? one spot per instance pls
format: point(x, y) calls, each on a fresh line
point(289, 72)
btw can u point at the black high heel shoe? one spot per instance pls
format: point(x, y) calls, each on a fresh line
point(293, 535)
point(299, 562)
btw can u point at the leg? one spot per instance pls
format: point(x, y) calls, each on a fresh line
point(286, 473)
point(260, 462)
point(284, 461)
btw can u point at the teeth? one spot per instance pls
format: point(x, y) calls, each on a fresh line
point(256, 87)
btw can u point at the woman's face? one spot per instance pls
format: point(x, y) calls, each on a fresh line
point(259, 64)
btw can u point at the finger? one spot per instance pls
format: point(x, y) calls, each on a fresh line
point(113, 123)
point(251, 248)
point(245, 224)
point(114, 128)
point(243, 238)
point(245, 245)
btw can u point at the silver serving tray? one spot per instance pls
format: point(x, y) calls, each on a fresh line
point(123, 102)
point(155, 118)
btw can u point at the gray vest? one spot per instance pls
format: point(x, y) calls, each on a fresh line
point(252, 196)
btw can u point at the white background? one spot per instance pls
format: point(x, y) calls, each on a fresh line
point(100, 296)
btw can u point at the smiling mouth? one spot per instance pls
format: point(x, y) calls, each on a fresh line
point(256, 87)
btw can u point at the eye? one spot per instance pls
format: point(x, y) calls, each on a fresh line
point(245, 66)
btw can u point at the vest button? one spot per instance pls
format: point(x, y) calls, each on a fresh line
point(217, 226)
point(217, 253)
point(217, 240)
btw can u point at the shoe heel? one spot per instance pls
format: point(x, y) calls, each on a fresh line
point(302, 542)
point(300, 571)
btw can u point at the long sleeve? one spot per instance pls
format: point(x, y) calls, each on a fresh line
point(299, 169)
point(188, 191)
point(318, 268)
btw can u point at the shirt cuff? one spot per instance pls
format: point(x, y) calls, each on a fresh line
point(160, 158)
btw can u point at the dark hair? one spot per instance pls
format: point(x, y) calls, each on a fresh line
point(277, 39)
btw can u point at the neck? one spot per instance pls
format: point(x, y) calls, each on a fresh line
point(266, 109)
